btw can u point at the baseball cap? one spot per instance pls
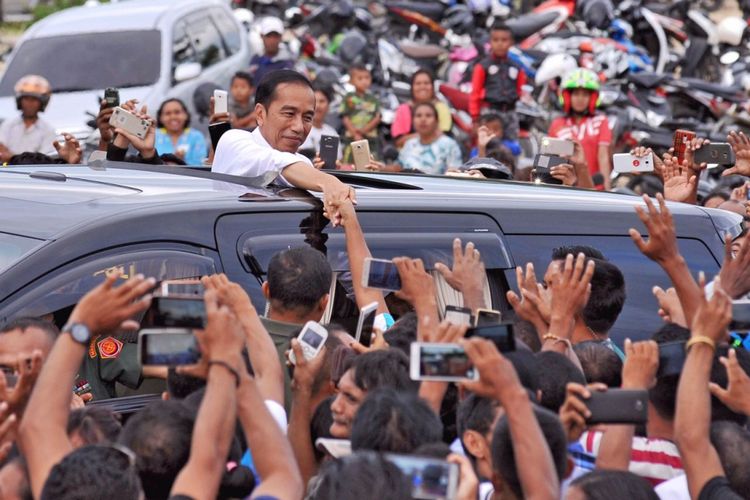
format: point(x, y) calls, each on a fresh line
point(490, 167)
point(270, 25)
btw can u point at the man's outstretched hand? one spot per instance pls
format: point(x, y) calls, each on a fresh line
point(662, 240)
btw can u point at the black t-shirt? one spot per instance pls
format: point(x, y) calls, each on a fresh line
point(718, 489)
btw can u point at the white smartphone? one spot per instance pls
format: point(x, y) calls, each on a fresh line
point(431, 478)
point(381, 274)
point(365, 323)
point(361, 154)
point(458, 315)
point(626, 163)
point(130, 123)
point(312, 338)
point(220, 101)
point(440, 362)
point(559, 147)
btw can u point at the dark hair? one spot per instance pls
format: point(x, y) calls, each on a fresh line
point(320, 424)
point(599, 363)
point(477, 414)
point(503, 457)
point(525, 331)
point(364, 475)
point(421, 71)
point(602, 484)
point(490, 117)
point(607, 297)
point(394, 422)
point(159, 123)
point(326, 90)
point(716, 193)
point(94, 424)
point(298, 278)
point(265, 94)
point(719, 411)
point(33, 158)
point(425, 105)
point(501, 26)
point(25, 323)
point(663, 395)
point(357, 67)
point(324, 374)
point(180, 386)
point(172, 158)
point(402, 333)
point(243, 75)
point(160, 436)
point(555, 371)
point(383, 368)
point(497, 151)
point(93, 472)
point(560, 253)
point(732, 443)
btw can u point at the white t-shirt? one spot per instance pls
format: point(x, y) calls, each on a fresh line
point(37, 138)
point(674, 489)
point(248, 154)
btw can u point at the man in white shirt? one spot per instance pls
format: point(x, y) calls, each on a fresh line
point(28, 132)
point(285, 106)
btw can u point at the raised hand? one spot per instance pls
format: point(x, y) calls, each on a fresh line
point(735, 270)
point(694, 145)
point(566, 173)
point(415, 281)
point(641, 151)
point(69, 150)
point(570, 288)
point(739, 141)
point(468, 274)
point(741, 164)
point(106, 131)
point(662, 240)
point(145, 146)
point(679, 182)
point(670, 308)
point(574, 412)
point(306, 370)
point(737, 394)
point(740, 193)
point(641, 364)
point(532, 306)
point(712, 317)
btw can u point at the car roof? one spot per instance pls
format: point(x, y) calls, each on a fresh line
point(134, 15)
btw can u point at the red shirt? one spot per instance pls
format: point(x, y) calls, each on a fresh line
point(591, 132)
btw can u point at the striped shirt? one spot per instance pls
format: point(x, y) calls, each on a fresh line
point(655, 460)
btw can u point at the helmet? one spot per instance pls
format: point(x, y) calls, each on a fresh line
point(731, 30)
point(459, 19)
point(33, 86)
point(580, 78)
point(555, 66)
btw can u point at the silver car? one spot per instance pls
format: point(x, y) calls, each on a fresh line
point(149, 49)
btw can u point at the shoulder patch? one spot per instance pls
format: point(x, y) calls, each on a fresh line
point(92, 347)
point(109, 348)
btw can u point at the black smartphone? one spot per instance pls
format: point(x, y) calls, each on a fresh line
point(216, 130)
point(112, 97)
point(168, 347)
point(717, 153)
point(740, 316)
point(542, 165)
point(671, 358)
point(618, 406)
point(329, 151)
point(501, 334)
point(176, 312)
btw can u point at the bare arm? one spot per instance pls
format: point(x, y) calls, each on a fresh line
point(349, 127)
point(334, 191)
point(605, 167)
point(418, 289)
point(372, 124)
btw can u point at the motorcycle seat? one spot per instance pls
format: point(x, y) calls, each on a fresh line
point(732, 93)
point(648, 79)
point(418, 50)
point(433, 10)
point(526, 25)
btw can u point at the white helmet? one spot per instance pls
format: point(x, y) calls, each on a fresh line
point(731, 29)
point(555, 66)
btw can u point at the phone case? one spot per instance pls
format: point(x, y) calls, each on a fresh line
point(560, 147)
point(626, 163)
point(618, 406)
point(681, 140)
point(129, 122)
point(718, 154)
point(329, 150)
point(361, 154)
point(220, 101)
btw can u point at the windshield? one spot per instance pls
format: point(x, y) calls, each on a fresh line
point(88, 61)
point(12, 247)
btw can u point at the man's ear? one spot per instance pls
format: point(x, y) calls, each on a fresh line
point(323, 303)
point(260, 113)
point(475, 444)
point(265, 289)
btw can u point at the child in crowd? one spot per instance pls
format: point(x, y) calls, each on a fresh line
point(360, 112)
point(491, 128)
point(241, 105)
point(323, 98)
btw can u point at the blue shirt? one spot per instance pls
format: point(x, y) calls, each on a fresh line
point(433, 158)
point(191, 140)
point(261, 65)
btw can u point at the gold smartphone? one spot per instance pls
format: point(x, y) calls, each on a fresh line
point(361, 154)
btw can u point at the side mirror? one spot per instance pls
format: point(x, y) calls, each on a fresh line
point(187, 71)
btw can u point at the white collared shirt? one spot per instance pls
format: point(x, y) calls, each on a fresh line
point(248, 154)
point(37, 138)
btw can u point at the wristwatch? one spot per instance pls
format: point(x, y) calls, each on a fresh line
point(79, 332)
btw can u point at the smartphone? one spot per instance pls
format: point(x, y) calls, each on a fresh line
point(618, 406)
point(715, 154)
point(176, 312)
point(458, 315)
point(672, 357)
point(440, 362)
point(431, 478)
point(129, 122)
point(382, 274)
point(365, 323)
point(361, 154)
point(501, 334)
point(627, 163)
point(559, 147)
point(312, 338)
point(680, 142)
point(486, 317)
point(542, 165)
point(167, 347)
point(329, 151)
point(112, 97)
point(216, 130)
point(740, 316)
point(220, 102)
point(188, 288)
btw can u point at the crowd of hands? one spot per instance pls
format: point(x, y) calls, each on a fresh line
point(34, 413)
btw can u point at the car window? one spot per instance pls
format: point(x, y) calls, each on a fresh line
point(13, 246)
point(182, 49)
point(120, 58)
point(206, 40)
point(230, 33)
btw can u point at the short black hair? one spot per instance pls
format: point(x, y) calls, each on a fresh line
point(326, 90)
point(599, 363)
point(383, 368)
point(243, 75)
point(265, 94)
point(394, 422)
point(503, 456)
point(33, 158)
point(607, 297)
point(501, 26)
point(716, 193)
point(160, 437)
point(560, 253)
point(159, 123)
point(402, 333)
point(527, 368)
point(298, 278)
point(168, 158)
point(663, 395)
point(732, 443)
point(93, 471)
point(602, 484)
point(94, 424)
point(357, 67)
point(525, 331)
point(25, 323)
point(490, 117)
point(555, 371)
point(475, 413)
point(180, 386)
point(364, 475)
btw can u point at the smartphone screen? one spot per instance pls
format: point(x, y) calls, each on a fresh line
point(442, 361)
point(190, 289)
point(176, 312)
point(458, 315)
point(671, 358)
point(383, 274)
point(364, 334)
point(312, 338)
point(169, 348)
point(431, 479)
point(501, 334)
